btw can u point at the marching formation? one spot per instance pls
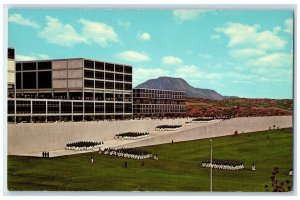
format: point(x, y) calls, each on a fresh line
point(131, 153)
point(84, 146)
point(131, 135)
point(202, 119)
point(224, 164)
point(167, 127)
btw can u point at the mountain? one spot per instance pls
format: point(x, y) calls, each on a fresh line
point(169, 83)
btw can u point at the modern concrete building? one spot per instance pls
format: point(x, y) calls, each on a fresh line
point(155, 102)
point(11, 72)
point(70, 89)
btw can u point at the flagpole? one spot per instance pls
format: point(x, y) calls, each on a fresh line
point(210, 165)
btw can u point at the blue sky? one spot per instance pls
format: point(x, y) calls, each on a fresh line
point(235, 52)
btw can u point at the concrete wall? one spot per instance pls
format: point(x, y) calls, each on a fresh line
point(24, 138)
point(11, 72)
point(226, 127)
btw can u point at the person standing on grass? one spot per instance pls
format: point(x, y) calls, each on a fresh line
point(92, 159)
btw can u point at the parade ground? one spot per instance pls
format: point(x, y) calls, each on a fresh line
point(177, 169)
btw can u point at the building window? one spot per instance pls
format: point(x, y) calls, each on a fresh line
point(109, 67)
point(128, 108)
point(88, 107)
point(119, 108)
point(77, 107)
point(39, 107)
point(53, 107)
point(11, 53)
point(109, 108)
point(119, 86)
point(18, 67)
point(89, 64)
point(11, 107)
point(127, 86)
point(99, 65)
point(119, 97)
point(44, 65)
point(128, 69)
point(23, 107)
point(88, 74)
point(45, 79)
point(29, 66)
point(99, 96)
point(99, 107)
point(18, 80)
point(119, 77)
point(109, 85)
point(66, 107)
point(109, 97)
point(29, 80)
point(109, 76)
point(99, 84)
point(128, 78)
point(88, 83)
point(99, 75)
point(119, 68)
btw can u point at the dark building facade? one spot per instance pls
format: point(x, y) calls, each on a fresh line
point(74, 89)
point(155, 102)
point(11, 71)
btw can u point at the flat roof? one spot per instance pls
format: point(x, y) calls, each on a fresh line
point(61, 59)
point(158, 89)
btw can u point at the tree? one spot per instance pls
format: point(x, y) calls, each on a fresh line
point(278, 186)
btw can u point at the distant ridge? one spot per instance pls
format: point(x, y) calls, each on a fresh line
point(170, 83)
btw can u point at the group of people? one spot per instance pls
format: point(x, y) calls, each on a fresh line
point(45, 154)
point(131, 153)
point(167, 127)
point(224, 164)
point(84, 145)
point(130, 135)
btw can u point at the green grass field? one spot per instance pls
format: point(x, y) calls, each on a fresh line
point(178, 167)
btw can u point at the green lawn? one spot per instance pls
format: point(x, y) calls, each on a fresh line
point(178, 167)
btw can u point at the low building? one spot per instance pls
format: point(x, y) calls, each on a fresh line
point(156, 102)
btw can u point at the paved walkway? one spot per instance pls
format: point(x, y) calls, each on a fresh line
point(114, 143)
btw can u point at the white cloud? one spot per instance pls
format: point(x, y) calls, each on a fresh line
point(276, 29)
point(24, 58)
point(191, 71)
point(246, 53)
point(144, 36)
point(99, 33)
point(60, 34)
point(133, 56)
point(43, 56)
point(56, 32)
point(171, 60)
point(272, 60)
point(144, 74)
point(19, 19)
point(215, 37)
point(187, 14)
point(31, 57)
point(241, 35)
point(125, 25)
point(205, 56)
point(289, 26)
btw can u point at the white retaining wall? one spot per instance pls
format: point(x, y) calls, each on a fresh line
point(37, 137)
point(226, 127)
point(26, 138)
